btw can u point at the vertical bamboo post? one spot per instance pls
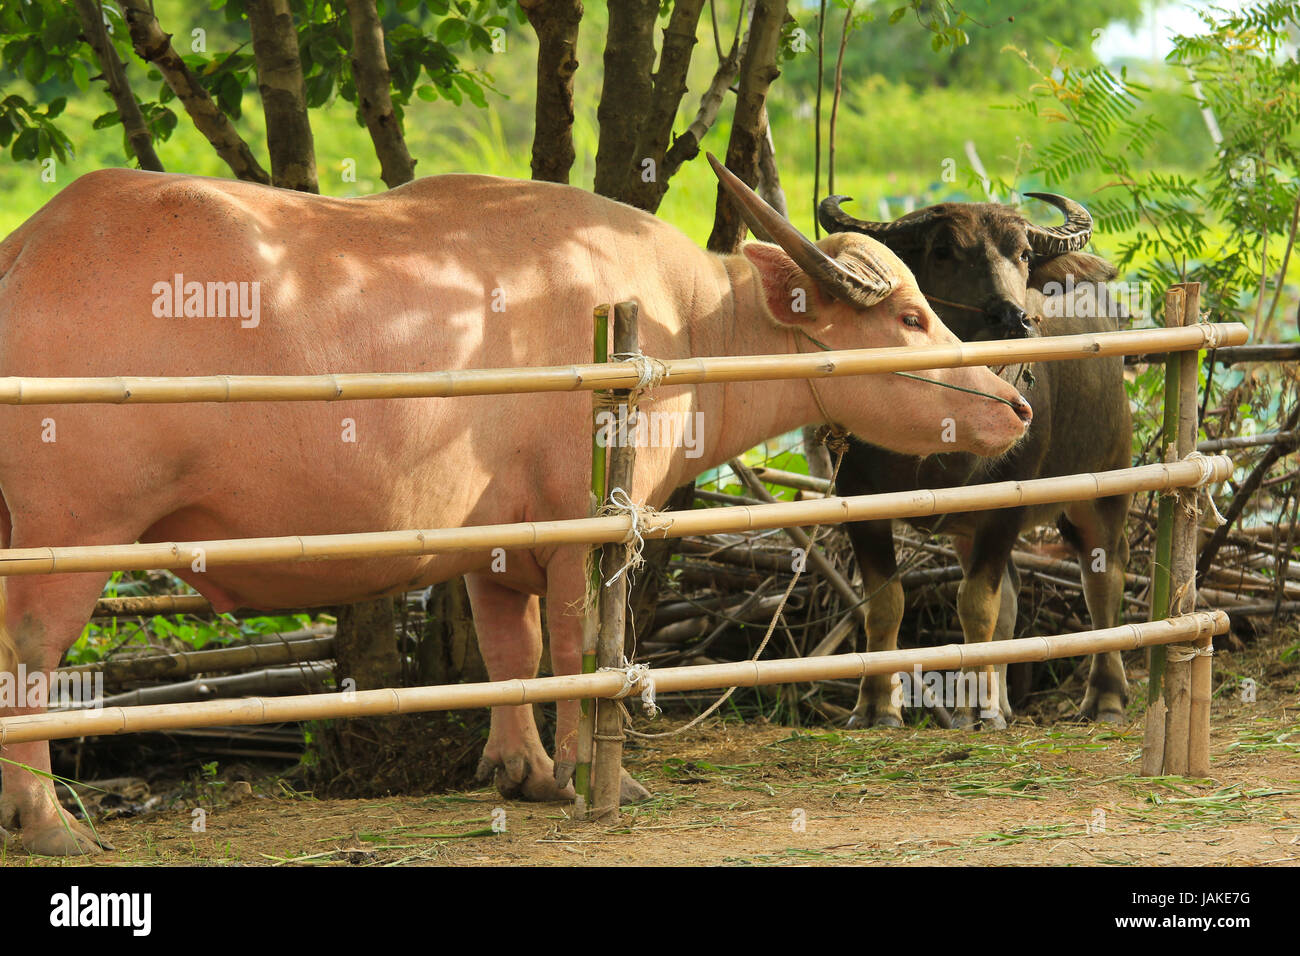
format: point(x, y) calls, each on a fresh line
point(1182, 556)
point(607, 765)
point(1198, 723)
point(587, 707)
point(1154, 734)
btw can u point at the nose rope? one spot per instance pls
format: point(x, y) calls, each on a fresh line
point(920, 378)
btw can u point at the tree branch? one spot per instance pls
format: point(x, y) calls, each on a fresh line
point(687, 146)
point(625, 92)
point(757, 71)
point(374, 95)
point(154, 46)
point(137, 132)
point(284, 95)
point(669, 88)
point(556, 24)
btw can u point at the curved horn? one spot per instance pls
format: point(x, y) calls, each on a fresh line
point(874, 283)
point(835, 219)
point(1071, 236)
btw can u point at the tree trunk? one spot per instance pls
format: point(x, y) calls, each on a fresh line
point(556, 23)
point(625, 94)
point(137, 133)
point(646, 188)
point(757, 71)
point(284, 96)
point(374, 96)
point(154, 46)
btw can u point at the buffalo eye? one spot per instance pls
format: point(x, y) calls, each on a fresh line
point(912, 321)
point(1025, 255)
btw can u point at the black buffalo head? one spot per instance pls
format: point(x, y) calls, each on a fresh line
point(981, 264)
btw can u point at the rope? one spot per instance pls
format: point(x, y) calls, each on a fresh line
point(1211, 335)
point(1191, 496)
point(1182, 653)
point(640, 515)
point(634, 674)
point(652, 370)
point(762, 646)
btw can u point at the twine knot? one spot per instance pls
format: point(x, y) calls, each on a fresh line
point(652, 371)
point(641, 518)
point(634, 674)
point(1181, 653)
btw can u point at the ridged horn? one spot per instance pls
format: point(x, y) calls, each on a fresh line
point(835, 219)
point(1071, 236)
point(873, 284)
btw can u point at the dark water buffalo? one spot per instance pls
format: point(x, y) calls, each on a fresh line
point(985, 269)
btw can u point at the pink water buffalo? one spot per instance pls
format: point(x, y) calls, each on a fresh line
point(135, 273)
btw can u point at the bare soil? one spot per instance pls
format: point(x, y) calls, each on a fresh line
point(753, 793)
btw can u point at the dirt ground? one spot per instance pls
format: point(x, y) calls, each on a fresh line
point(745, 794)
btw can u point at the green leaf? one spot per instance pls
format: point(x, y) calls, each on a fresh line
point(56, 107)
point(105, 120)
point(898, 14)
point(426, 92)
point(34, 64)
point(452, 30)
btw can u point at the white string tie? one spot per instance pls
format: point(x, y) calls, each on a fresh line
point(651, 370)
point(634, 674)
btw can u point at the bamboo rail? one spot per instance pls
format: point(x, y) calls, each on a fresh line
point(672, 524)
point(605, 684)
point(356, 386)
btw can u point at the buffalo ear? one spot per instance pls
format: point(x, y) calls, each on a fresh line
point(1082, 266)
point(792, 297)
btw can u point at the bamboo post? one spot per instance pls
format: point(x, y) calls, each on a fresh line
point(587, 707)
point(607, 767)
point(1155, 733)
point(538, 690)
point(1185, 558)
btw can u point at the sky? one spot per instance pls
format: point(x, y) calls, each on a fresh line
point(1150, 40)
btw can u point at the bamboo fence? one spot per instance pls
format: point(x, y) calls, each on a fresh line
point(614, 528)
point(1200, 625)
point(140, 390)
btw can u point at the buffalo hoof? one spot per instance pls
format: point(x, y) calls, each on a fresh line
point(53, 832)
point(67, 839)
point(967, 719)
point(518, 778)
point(862, 721)
point(1104, 708)
point(631, 792)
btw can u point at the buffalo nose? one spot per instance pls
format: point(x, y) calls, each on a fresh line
point(1023, 409)
point(1010, 319)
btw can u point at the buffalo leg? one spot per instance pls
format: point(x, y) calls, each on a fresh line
point(1095, 532)
point(44, 616)
point(873, 545)
point(980, 606)
point(566, 584)
point(509, 627)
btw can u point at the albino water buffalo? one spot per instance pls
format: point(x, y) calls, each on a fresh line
point(448, 272)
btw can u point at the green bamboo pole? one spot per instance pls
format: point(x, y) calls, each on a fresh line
point(587, 707)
